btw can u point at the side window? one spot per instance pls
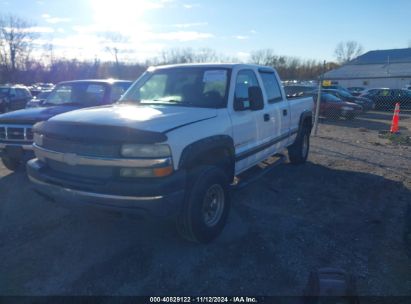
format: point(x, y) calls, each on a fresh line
point(27, 93)
point(116, 91)
point(12, 94)
point(245, 79)
point(94, 94)
point(20, 94)
point(272, 88)
point(384, 93)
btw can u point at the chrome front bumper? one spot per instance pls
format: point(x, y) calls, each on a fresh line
point(78, 194)
point(162, 198)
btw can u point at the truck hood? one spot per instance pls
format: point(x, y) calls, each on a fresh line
point(33, 115)
point(154, 118)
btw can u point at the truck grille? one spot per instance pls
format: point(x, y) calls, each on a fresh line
point(16, 133)
point(81, 171)
point(81, 148)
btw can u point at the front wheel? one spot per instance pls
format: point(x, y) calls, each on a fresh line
point(298, 151)
point(11, 163)
point(206, 205)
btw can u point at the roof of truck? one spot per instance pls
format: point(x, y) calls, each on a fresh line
point(212, 65)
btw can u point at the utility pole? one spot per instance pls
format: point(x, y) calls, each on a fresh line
point(317, 108)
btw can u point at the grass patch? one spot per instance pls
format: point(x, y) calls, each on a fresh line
point(397, 139)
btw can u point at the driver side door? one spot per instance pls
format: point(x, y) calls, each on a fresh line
point(245, 122)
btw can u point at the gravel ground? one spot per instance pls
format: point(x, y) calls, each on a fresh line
point(345, 208)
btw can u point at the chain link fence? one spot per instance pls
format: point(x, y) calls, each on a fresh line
point(354, 106)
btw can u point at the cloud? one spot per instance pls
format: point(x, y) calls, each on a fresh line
point(183, 36)
point(241, 37)
point(32, 29)
point(187, 25)
point(253, 32)
point(191, 5)
point(54, 20)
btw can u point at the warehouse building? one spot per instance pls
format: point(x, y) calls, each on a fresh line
point(375, 69)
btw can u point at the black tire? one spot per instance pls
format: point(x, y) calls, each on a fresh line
point(298, 151)
point(194, 223)
point(11, 163)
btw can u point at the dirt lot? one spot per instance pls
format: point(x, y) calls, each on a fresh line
point(345, 208)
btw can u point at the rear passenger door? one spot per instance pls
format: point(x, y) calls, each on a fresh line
point(277, 114)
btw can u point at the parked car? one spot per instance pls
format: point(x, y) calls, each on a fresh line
point(333, 107)
point(16, 135)
point(292, 91)
point(356, 91)
point(37, 100)
point(37, 88)
point(408, 87)
point(335, 87)
point(371, 91)
point(385, 99)
point(173, 144)
point(365, 103)
point(13, 97)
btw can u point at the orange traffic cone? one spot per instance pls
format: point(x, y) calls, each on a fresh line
point(395, 118)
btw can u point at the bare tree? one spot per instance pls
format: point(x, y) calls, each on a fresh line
point(16, 43)
point(115, 39)
point(347, 51)
point(186, 55)
point(263, 57)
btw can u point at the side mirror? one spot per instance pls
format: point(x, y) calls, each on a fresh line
point(241, 105)
point(256, 98)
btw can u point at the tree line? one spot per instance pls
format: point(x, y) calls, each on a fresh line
point(18, 65)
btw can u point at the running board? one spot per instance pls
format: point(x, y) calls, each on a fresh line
point(255, 173)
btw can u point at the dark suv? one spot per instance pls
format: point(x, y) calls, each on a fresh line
point(16, 136)
point(13, 98)
point(385, 99)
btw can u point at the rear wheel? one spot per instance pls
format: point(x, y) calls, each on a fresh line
point(298, 151)
point(11, 163)
point(206, 205)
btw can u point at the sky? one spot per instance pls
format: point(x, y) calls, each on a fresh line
point(83, 29)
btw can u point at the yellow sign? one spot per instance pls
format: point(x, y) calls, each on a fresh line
point(326, 83)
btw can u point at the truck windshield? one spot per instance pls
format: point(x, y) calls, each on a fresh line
point(186, 86)
point(87, 94)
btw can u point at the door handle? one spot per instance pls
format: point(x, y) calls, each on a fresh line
point(266, 117)
point(285, 112)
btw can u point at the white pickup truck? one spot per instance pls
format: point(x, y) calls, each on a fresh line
point(173, 144)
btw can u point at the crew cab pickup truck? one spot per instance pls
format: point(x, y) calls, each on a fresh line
point(16, 127)
point(173, 144)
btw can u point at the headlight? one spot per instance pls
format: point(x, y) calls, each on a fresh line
point(347, 109)
point(38, 139)
point(149, 151)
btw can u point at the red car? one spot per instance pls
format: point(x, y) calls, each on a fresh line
point(334, 107)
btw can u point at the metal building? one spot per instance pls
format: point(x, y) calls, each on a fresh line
point(375, 69)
